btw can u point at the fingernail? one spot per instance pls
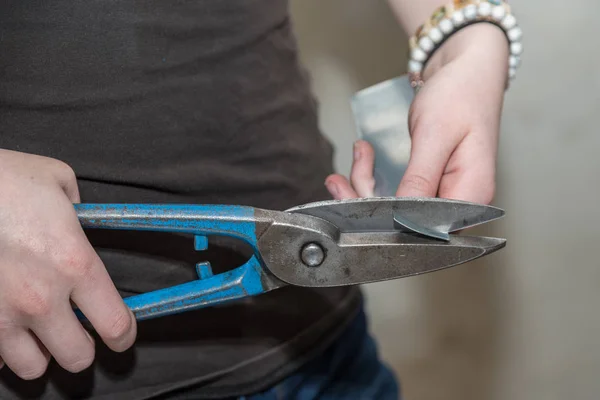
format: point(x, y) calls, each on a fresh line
point(332, 187)
point(357, 152)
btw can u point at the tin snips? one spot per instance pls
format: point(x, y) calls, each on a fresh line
point(323, 244)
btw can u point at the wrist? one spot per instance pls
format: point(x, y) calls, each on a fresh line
point(484, 43)
point(466, 27)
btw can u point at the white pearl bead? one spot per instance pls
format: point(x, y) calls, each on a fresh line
point(436, 35)
point(446, 26)
point(509, 22)
point(512, 72)
point(470, 12)
point(498, 13)
point(418, 55)
point(414, 66)
point(426, 44)
point(458, 17)
point(514, 34)
point(485, 9)
point(514, 61)
point(516, 48)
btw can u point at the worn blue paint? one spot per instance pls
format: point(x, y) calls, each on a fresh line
point(203, 220)
point(200, 220)
point(241, 282)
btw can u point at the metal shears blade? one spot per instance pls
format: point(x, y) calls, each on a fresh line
point(323, 244)
point(371, 246)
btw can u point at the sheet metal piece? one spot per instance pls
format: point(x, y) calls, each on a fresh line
point(404, 224)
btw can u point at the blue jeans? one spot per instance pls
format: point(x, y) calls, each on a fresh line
point(349, 369)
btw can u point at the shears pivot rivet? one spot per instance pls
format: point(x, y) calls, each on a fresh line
point(312, 255)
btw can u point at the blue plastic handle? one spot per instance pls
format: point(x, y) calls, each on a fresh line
point(201, 221)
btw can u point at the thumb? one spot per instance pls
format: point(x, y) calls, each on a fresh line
point(428, 158)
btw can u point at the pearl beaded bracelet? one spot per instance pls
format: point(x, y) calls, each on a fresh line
point(452, 17)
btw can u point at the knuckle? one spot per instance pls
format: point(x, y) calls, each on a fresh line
point(66, 177)
point(34, 300)
point(76, 261)
point(361, 177)
point(64, 172)
point(419, 183)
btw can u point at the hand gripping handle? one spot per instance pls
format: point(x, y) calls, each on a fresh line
point(201, 221)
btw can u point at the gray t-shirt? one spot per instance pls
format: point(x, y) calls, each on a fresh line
point(174, 101)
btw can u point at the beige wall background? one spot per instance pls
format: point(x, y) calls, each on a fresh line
point(524, 323)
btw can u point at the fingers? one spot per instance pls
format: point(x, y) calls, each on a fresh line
point(99, 300)
point(339, 187)
point(361, 175)
point(22, 353)
point(75, 354)
point(41, 321)
point(362, 182)
point(428, 158)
